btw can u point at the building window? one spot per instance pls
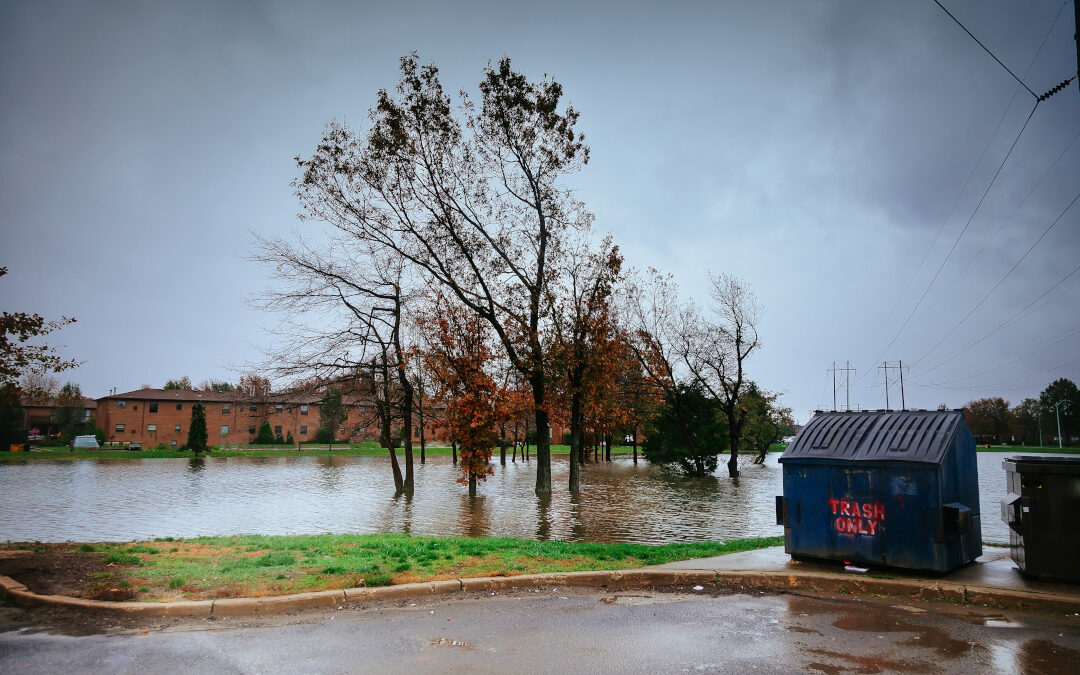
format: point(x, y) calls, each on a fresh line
point(179, 406)
point(153, 406)
point(152, 428)
point(303, 430)
point(86, 414)
point(224, 429)
point(119, 428)
point(121, 404)
point(251, 430)
point(277, 431)
point(416, 432)
point(226, 409)
point(303, 409)
point(176, 428)
point(253, 408)
point(279, 407)
point(173, 443)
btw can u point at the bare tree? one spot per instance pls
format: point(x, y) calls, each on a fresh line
point(657, 332)
point(38, 386)
point(474, 205)
point(715, 351)
point(343, 314)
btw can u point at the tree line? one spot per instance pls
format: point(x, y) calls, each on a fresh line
point(1032, 421)
point(460, 271)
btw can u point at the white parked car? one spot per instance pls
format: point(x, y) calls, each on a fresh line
point(85, 442)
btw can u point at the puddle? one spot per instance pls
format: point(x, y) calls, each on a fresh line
point(864, 664)
point(1043, 656)
point(447, 642)
point(876, 619)
point(637, 600)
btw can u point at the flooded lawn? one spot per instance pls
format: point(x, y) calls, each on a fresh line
point(123, 500)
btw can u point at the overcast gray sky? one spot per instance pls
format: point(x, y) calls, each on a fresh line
point(819, 150)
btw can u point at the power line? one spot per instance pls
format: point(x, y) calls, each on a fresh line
point(945, 221)
point(987, 49)
point(1000, 227)
point(1031, 65)
point(1005, 322)
point(1014, 379)
point(960, 236)
point(1027, 354)
point(1000, 281)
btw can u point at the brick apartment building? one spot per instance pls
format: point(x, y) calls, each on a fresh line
point(155, 417)
point(43, 414)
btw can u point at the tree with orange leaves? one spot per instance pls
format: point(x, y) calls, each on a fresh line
point(459, 359)
point(585, 329)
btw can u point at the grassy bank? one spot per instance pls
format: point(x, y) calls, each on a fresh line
point(369, 449)
point(1021, 449)
point(252, 566)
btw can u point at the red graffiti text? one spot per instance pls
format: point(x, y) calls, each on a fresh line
point(852, 517)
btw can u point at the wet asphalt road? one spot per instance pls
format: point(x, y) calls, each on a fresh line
point(568, 630)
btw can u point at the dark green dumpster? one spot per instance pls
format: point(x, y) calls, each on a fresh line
point(887, 488)
point(1041, 510)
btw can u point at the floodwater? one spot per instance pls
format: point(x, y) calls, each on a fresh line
point(128, 499)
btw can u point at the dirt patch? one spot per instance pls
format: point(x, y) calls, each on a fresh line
point(55, 569)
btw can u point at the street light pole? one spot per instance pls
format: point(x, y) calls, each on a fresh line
point(1057, 410)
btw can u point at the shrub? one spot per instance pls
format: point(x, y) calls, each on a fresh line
point(265, 435)
point(289, 440)
point(324, 436)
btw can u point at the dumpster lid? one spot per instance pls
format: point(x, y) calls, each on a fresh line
point(876, 435)
point(1042, 464)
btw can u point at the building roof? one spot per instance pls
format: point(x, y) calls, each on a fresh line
point(905, 435)
point(283, 397)
point(176, 395)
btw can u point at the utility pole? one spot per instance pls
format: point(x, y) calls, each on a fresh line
point(903, 404)
point(900, 367)
point(1076, 34)
point(845, 385)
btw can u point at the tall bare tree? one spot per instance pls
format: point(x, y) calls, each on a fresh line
point(715, 350)
point(343, 312)
point(468, 198)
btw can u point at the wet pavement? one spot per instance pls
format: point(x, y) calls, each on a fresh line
point(691, 629)
point(994, 570)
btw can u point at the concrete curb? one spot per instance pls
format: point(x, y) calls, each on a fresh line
point(803, 582)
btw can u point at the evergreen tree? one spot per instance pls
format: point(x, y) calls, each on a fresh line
point(278, 440)
point(289, 440)
point(196, 440)
point(265, 435)
point(688, 430)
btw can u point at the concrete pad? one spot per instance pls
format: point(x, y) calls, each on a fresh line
point(994, 569)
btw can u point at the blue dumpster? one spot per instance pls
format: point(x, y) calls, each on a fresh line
point(896, 489)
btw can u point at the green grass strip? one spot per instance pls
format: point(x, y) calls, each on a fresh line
point(255, 565)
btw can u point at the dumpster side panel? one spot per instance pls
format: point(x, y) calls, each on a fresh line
point(806, 493)
point(1050, 503)
point(856, 515)
point(910, 528)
